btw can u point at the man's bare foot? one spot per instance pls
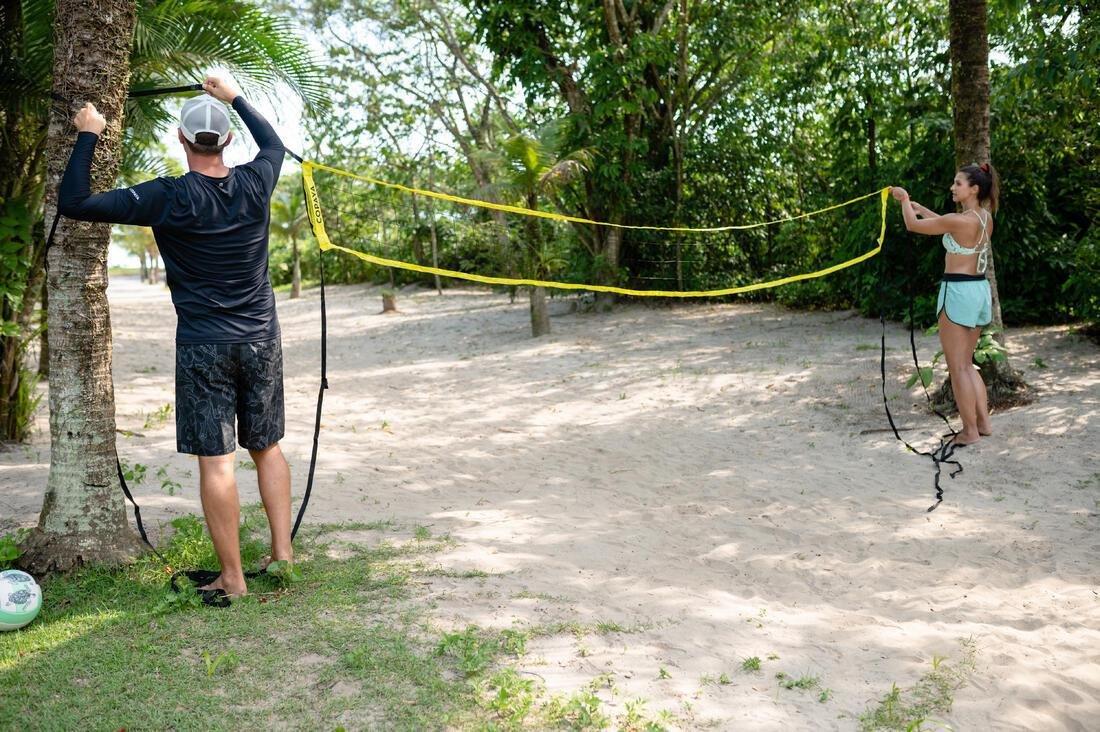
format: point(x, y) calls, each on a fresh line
point(233, 590)
point(985, 429)
point(264, 563)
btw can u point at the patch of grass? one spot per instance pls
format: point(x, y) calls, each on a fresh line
point(227, 662)
point(934, 693)
point(802, 682)
point(509, 697)
point(476, 649)
point(571, 627)
point(528, 595)
point(752, 663)
point(603, 627)
point(578, 712)
point(106, 637)
point(635, 720)
point(379, 525)
point(438, 571)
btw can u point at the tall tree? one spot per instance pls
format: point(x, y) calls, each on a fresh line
point(288, 215)
point(970, 99)
point(534, 171)
point(83, 516)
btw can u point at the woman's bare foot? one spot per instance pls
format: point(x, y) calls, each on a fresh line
point(966, 437)
point(985, 428)
point(232, 590)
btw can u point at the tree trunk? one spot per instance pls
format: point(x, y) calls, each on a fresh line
point(612, 244)
point(44, 339)
point(431, 220)
point(296, 271)
point(970, 97)
point(83, 517)
point(540, 316)
point(389, 302)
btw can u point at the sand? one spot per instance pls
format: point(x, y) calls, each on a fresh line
point(715, 480)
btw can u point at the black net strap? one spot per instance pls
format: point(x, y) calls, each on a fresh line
point(945, 452)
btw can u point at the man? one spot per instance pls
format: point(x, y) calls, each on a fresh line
point(211, 227)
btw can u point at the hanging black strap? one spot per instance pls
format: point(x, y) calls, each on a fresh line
point(943, 454)
point(164, 91)
point(137, 510)
point(324, 381)
point(138, 93)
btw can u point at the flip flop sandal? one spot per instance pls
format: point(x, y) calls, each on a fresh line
point(197, 578)
point(215, 598)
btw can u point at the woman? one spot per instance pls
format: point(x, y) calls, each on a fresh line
point(964, 305)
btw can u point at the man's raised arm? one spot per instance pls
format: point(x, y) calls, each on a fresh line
point(144, 204)
point(271, 147)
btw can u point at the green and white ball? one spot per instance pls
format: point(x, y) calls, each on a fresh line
point(20, 599)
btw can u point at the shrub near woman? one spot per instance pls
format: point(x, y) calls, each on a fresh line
point(964, 305)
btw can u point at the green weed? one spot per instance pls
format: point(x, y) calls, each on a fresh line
point(578, 712)
point(802, 682)
point(9, 549)
point(158, 417)
point(910, 709)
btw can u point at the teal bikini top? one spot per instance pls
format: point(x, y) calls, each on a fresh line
point(981, 248)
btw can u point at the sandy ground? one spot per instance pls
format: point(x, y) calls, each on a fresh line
point(715, 479)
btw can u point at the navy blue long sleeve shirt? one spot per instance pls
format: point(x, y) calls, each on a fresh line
point(211, 232)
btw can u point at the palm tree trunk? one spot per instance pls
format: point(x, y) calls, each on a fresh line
point(970, 97)
point(83, 517)
point(540, 316)
point(296, 272)
point(431, 220)
point(44, 339)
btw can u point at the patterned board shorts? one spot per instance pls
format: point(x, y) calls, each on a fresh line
point(222, 383)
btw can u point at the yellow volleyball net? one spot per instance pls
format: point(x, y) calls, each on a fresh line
point(371, 198)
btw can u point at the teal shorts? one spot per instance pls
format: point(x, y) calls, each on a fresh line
point(966, 300)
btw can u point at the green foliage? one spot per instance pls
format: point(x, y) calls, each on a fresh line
point(159, 416)
point(802, 682)
point(985, 350)
point(792, 109)
point(287, 573)
point(910, 709)
point(167, 485)
point(18, 253)
point(9, 550)
point(134, 473)
point(473, 649)
point(578, 712)
point(510, 698)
